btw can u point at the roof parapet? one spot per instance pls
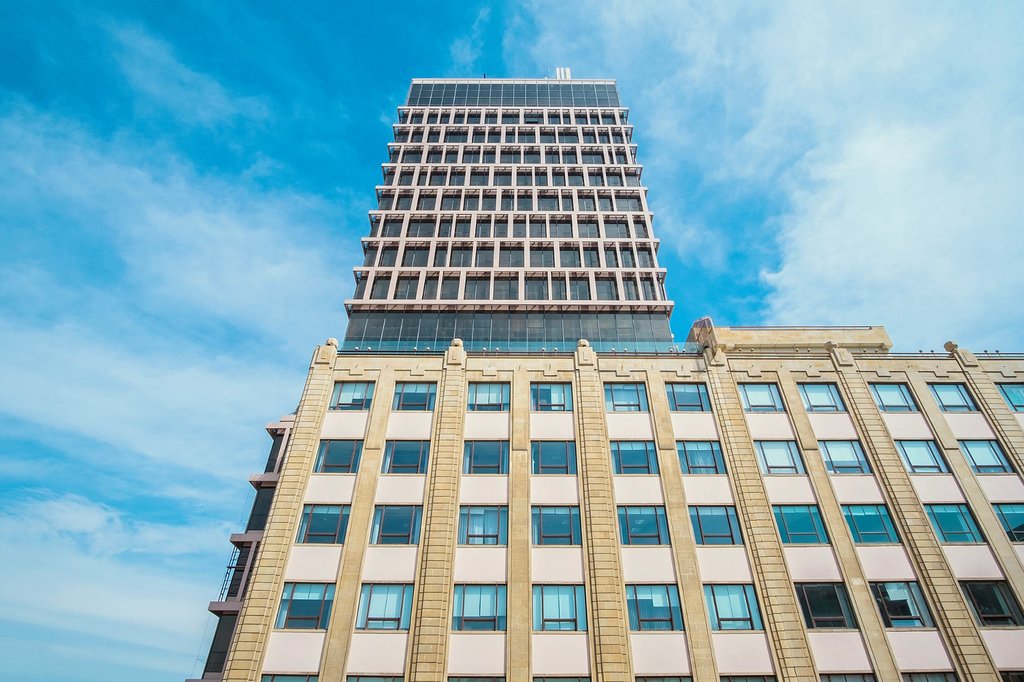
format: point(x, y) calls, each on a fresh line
point(871, 339)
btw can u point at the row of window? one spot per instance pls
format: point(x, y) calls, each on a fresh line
point(509, 200)
point(501, 226)
point(509, 117)
point(568, 156)
point(480, 176)
point(648, 525)
point(458, 135)
point(511, 255)
point(1015, 676)
point(730, 607)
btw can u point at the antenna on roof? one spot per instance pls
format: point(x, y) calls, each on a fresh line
point(563, 73)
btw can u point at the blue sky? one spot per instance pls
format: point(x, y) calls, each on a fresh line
point(184, 185)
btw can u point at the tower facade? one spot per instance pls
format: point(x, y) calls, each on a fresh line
point(509, 470)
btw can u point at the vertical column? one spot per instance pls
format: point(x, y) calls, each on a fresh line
point(609, 636)
point(519, 626)
point(787, 638)
point(257, 616)
point(868, 618)
point(698, 629)
point(428, 653)
point(346, 599)
point(970, 658)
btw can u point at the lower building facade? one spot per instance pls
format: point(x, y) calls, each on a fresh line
point(768, 504)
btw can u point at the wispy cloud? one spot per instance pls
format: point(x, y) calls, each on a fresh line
point(465, 50)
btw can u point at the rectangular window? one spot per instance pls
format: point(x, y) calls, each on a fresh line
point(778, 457)
point(485, 457)
point(643, 526)
point(551, 397)
point(954, 523)
point(625, 397)
point(922, 457)
point(338, 457)
point(848, 677)
point(870, 524)
point(1014, 395)
point(352, 395)
point(553, 456)
point(715, 525)
point(396, 525)
point(800, 524)
point(825, 605)
point(305, 606)
point(821, 398)
point(323, 524)
point(559, 607)
point(953, 398)
point(384, 606)
point(992, 602)
point(479, 607)
point(699, 457)
point(556, 525)
point(761, 398)
point(414, 397)
point(902, 605)
point(844, 457)
point(732, 607)
point(688, 398)
point(893, 398)
point(489, 397)
point(653, 607)
point(930, 677)
point(634, 457)
point(292, 678)
point(406, 457)
point(985, 457)
point(483, 525)
point(1012, 518)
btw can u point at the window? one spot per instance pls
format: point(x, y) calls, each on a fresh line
point(643, 526)
point(561, 679)
point(553, 456)
point(414, 397)
point(778, 457)
point(688, 397)
point(953, 398)
point(1014, 394)
point(700, 457)
point(893, 398)
point(472, 679)
point(921, 457)
point(634, 457)
point(800, 524)
point(648, 678)
point(551, 397)
point(844, 457)
point(485, 457)
point(305, 606)
point(1012, 518)
point(732, 607)
point(483, 525)
point(352, 395)
point(395, 525)
point(747, 678)
point(870, 524)
point(954, 523)
point(902, 605)
point(323, 524)
point(488, 397)
point(479, 607)
point(384, 606)
point(715, 525)
point(825, 605)
point(929, 677)
point(338, 457)
point(290, 678)
point(406, 456)
point(625, 397)
point(992, 602)
point(761, 398)
point(559, 607)
point(556, 525)
point(985, 457)
point(821, 398)
point(653, 607)
point(849, 677)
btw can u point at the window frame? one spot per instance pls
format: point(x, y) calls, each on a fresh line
point(286, 620)
point(306, 523)
point(776, 404)
point(1012, 534)
point(962, 511)
point(908, 405)
point(837, 406)
point(1011, 617)
point(470, 465)
point(966, 403)
point(474, 402)
point(1008, 390)
point(824, 447)
point(380, 513)
point(687, 465)
point(998, 454)
point(620, 468)
point(783, 520)
point(674, 389)
point(578, 619)
point(697, 522)
point(866, 537)
point(919, 616)
point(939, 464)
point(500, 534)
point(388, 465)
point(797, 463)
point(497, 621)
point(538, 538)
point(401, 621)
point(538, 467)
point(627, 536)
point(846, 620)
point(613, 390)
point(321, 464)
point(399, 404)
point(538, 405)
point(711, 600)
point(359, 403)
point(634, 610)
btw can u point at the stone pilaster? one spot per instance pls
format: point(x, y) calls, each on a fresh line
point(517, 637)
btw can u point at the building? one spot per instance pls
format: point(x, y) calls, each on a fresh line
point(508, 470)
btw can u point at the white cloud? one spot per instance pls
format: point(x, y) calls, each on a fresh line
point(465, 50)
point(887, 139)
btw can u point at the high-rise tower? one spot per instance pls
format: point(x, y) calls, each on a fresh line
point(509, 470)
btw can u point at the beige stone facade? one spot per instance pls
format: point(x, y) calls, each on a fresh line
point(618, 632)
